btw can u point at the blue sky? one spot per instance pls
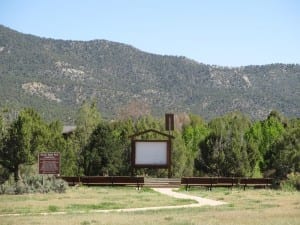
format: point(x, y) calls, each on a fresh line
point(219, 32)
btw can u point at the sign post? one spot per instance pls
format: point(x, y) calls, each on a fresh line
point(49, 163)
point(169, 121)
point(151, 153)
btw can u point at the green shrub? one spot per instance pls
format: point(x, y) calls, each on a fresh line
point(4, 175)
point(292, 182)
point(53, 208)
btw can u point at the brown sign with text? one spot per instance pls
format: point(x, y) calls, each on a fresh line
point(49, 163)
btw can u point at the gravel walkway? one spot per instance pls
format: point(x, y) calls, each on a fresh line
point(201, 201)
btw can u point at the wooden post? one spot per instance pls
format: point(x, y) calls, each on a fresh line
point(170, 158)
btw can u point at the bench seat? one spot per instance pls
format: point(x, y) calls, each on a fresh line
point(105, 180)
point(210, 182)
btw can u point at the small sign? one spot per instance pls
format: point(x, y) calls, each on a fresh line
point(49, 163)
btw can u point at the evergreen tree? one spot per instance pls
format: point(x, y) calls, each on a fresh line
point(181, 164)
point(102, 155)
point(121, 131)
point(4, 174)
point(193, 133)
point(262, 136)
point(285, 152)
point(223, 152)
point(56, 143)
point(23, 141)
point(1, 132)
point(88, 118)
point(287, 156)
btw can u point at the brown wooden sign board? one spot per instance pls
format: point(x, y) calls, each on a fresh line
point(49, 163)
point(151, 153)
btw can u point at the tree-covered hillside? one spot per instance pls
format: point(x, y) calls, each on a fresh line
point(56, 76)
point(228, 146)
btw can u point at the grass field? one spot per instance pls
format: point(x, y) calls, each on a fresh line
point(244, 207)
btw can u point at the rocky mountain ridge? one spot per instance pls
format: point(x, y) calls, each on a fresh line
point(56, 76)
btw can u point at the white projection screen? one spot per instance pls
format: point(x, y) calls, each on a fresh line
point(151, 154)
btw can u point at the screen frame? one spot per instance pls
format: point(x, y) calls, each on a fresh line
point(154, 162)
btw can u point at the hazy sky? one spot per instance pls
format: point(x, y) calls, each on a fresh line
point(220, 32)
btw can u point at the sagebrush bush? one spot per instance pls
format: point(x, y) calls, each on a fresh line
point(31, 182)
point(34, 184)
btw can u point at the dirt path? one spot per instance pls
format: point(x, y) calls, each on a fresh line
point(201, 201)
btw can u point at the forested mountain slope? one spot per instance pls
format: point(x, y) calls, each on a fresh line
point(56, 76)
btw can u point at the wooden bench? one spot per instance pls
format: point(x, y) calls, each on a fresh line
point(256, 182)
point(96, 180)
point(210, 182)
point(229, 182)
point(105, 180)
point(128, 181)
point(72, 181)
point(207, 182)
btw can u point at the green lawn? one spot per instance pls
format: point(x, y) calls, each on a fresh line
point(244, 207)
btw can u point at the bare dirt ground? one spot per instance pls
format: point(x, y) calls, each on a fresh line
point(201, 201)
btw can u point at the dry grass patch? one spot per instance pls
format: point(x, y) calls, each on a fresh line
point(250, 207)
point(251, 198)
point(85, 199)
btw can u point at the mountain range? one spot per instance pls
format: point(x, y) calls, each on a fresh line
point(56, 76)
